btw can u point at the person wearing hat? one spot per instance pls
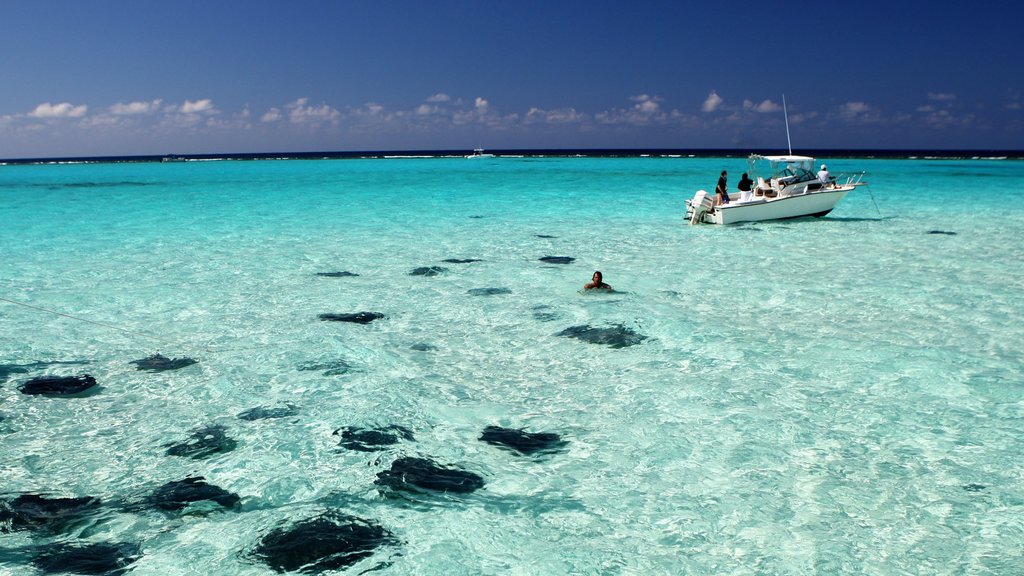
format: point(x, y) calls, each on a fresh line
point(823, 174)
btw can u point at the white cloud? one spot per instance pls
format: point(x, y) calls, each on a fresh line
point(764, 107)
point(272, 115)
point(802, 118)
point(559, 116)
point(941, 96)
point(944, 118)
point(203, 106)
point(62, 110)
point(135, 108)
point(859, 113)
point(481, 104)
point(854, 109)
point(439, 97)
point(712, 102)
point(646, 104)
point(426, 109)
point(299, 112)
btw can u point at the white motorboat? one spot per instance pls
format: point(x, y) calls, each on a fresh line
point(784, 187)
point(479, 153)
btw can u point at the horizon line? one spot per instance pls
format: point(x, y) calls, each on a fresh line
point(891, 153)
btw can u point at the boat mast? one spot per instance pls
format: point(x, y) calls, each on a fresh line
point(784, 112)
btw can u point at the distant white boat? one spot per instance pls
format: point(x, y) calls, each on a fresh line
point(785, 187)
point(479, 153)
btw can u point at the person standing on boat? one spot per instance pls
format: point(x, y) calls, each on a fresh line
point(746, 184)
point(823, 174)
point(723, 196)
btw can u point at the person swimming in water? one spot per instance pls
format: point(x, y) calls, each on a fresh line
point(597, 282)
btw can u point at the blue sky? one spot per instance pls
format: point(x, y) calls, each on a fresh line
point(147, 77)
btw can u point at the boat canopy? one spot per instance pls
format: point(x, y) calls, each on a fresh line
point(789, 169)
point(774, 159)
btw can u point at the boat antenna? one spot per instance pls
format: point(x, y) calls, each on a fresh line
point(786, 114)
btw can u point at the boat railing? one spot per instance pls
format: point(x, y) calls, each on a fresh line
point(851, 178)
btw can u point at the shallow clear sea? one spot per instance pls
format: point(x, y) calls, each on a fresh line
point(841, 395)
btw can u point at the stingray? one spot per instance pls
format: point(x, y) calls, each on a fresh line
point(428, 271)
point(160, 363)
point(355, 317)
point(557, 259)
point(523, 442)
point(369, 440)
point(57, 385)
point(331, 541)
point(330, 368)
point(178, 495)
point(265, 413)
point(489, 291)
point(39, 512)
point(204, 442)
point(98, 558)
point(615, 336)
point(418, 474)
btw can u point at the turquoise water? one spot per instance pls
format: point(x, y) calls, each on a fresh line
point(834, 396)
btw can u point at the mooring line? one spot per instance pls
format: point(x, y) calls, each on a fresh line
point(86, 320)
point(209, 349)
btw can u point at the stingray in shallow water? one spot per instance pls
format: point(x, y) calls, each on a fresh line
point(518, 440)
point(411, 474)
point(461, 260)
point(428, 271)
point(330, 541)
point(160, 363)
point(178, 495)
point(942, 232)
point(371, 439)
point(488, 291)
point(329, 367)
point(40, 512)
point(557, 259)
point(344, 274)
point(614, 336)
point(354, 317)
point(541, 313)
point(98, 558)
point(57, 385)
point(203, 442)
point(266, 413)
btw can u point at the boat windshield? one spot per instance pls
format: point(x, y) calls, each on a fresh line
point(788, 169)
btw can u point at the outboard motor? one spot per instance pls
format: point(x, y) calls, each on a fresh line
point(699, 205)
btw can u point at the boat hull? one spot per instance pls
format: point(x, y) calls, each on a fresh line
point(818, 203)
